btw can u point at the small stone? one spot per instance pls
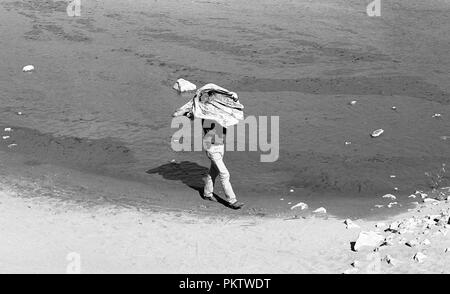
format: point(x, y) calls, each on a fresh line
point(390, 205)
point(412, 243)
point(5, 137)
point(379, 206)
point(8, 129)
point(300, 205)
point(390, 196)
point(350, 224)
point(436, 115)
point(431, 201)
point(368, 239)
point(291, 190)
point(28, 68)
point(390, 260)
point(419, 257)
point(183, 85)
point(426, 242)
point(12, 145)
point(380, 225)
point(350, 271)
point(320, 210)
point(447, 250)
point(353, 102)
point(412, 196)
point(377, 133)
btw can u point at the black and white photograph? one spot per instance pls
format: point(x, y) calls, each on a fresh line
point(224, 137)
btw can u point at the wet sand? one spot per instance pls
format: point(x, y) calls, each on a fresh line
point(97, 108)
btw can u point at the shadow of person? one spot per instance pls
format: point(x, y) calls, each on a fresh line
point(189, 173)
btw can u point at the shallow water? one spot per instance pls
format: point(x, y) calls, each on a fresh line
point(102, 87)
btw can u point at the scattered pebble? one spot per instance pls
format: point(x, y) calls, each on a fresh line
point(28, 68)
point(436, 115)
point(348, 143)
point(390, 205)
point(419, 257)
point(320, 210)
point(390, 260)
point(350, 224)
point(426, 242)
point(377, 133)
point(300, 205)
point(390, 196)
point(368, 239)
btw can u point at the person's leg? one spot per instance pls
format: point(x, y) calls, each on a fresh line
point(210, 179)
point(224, 175)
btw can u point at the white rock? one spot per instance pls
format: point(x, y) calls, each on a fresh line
point(5, 137)
point(320, 210)
point(368, 239)
point(412, 243)
point(390, 196)
point(351, 271)
point(28, 68)
point(12, 145)
point(348, 143)
point(300, 205)
point(393, 176)
point(377, 133)
point(426, 242)
point(380, 225)
point(394, 107)
point(431, 200)
point(353, 102)
point(436, 115)
point(350, 224)
point(182, 85)
point(390, 260)
point(379, 206)
point(8, 129)
point(412, 196)
point(291, 190)
point(419, 257)
point(390, 205)
point(356, 264)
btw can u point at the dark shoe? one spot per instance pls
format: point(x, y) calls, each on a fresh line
point(210, 198)
point(235, 205)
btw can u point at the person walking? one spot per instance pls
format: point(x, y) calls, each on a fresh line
point(213, 142)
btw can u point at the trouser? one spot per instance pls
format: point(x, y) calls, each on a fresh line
point(218, 169)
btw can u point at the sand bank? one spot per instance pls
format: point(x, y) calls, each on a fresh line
point(39, 234)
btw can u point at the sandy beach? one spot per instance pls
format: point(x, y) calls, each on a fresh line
point(39, 234)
